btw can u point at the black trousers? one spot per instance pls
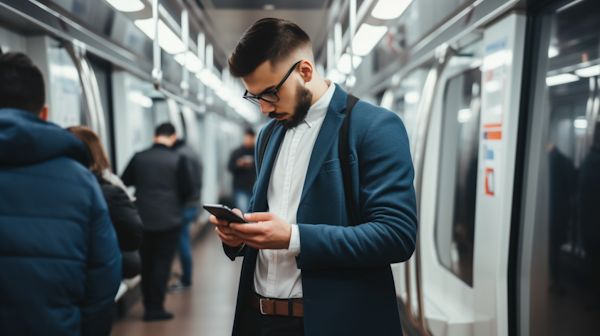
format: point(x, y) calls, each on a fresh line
point(157, 253)
point(256, 324)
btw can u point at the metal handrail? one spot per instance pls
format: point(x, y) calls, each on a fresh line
point(100, 116)
point(91, 92)
point(425, 109)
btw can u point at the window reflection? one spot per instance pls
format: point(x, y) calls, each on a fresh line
point(572, 295)
point(455, 224)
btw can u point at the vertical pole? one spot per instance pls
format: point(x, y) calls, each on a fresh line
point(201, 51)
point(337, 38)
point(185, 35)
point(352, 26)
point(330, 55)
point(156, 72)
point(209, 68)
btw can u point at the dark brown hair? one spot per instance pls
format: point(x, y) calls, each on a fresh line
point(99, 161)
point(21, 83)
point(266, 40)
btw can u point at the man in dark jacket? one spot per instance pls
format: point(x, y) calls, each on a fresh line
point(60, 265)
point(162, 181)
point(189, 215)
point(588, 210)
point(241, 165)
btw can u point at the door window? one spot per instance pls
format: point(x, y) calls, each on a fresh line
point(455, 222)
point(564, 285)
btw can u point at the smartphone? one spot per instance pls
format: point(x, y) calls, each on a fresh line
point(223, 212)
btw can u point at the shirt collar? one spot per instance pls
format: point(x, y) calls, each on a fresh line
point(318, 110)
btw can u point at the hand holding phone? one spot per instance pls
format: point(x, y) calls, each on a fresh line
point(223, 212)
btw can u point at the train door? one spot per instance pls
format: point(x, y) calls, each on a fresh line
point(467, 185)
point(558, 274)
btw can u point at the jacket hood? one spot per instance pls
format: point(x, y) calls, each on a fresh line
point(26, 139)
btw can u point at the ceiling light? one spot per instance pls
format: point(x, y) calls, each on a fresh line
point(553, 51)
point(366, 38)
point(588, 72)
point(580, 123)
point(344, 65)
point(561, 79)
point(390, 9)
point(569, 5)
point(167, 39)
point(127, 5)
point(193, 63)
point(269, 7)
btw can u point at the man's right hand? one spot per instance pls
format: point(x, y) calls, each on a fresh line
point(226, 234)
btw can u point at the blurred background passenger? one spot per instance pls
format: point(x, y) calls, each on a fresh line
point(162, 181)
point(241, 165)
point(60, 265)
point(589, 214)
point(122, 212)
point(563, 184)
point(189, 214)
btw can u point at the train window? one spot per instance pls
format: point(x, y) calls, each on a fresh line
point(404, 96)
point(565, 289)
point(66, 93)
point(455, 222)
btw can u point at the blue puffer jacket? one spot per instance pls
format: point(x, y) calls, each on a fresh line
point(60, 264)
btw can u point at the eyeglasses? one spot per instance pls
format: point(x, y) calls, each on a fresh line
point(271, 96)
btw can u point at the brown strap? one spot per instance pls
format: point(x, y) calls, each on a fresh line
point(277, 306)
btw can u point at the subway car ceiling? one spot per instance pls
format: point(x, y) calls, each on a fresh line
point(122, 37)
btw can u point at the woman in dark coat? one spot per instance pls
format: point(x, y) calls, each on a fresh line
point(122, 211)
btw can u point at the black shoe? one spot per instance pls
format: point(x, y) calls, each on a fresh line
point(179, 287)
point(157, 315)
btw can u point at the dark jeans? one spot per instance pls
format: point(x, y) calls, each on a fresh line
point(256, 324)
point(185, 247)
point(157, 252)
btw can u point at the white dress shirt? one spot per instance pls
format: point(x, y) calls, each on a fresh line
point(276, 274)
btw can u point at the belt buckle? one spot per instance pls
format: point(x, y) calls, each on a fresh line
point(261, 307)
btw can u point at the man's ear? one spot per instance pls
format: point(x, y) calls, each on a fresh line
point(44, 113)
point(306, 70)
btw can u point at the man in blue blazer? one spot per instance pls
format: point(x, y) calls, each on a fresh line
point(306, 270)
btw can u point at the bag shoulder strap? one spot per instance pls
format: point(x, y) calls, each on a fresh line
point(344, 153)
point(263, 144)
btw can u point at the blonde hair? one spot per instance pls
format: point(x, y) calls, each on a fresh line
point(99, 161)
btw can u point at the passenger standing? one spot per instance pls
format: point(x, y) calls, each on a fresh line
point(189, 214)
point(241, 165)
point(309, 268)
point(60, 265)
point(162, 181)
point(588, 210)
point(122, 212)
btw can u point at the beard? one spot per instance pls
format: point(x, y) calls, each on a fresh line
point(303, 103)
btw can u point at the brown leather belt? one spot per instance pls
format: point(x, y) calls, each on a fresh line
point(282, 307)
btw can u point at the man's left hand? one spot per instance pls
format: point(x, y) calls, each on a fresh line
point(268, 232)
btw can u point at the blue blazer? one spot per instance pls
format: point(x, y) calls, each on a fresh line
point(347, 283)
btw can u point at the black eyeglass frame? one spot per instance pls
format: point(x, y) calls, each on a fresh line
point(255, 99)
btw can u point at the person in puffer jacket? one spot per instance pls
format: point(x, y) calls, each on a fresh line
point(122, 212)
point(60, 265)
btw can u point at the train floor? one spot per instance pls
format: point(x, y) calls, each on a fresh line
point(207, 309)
